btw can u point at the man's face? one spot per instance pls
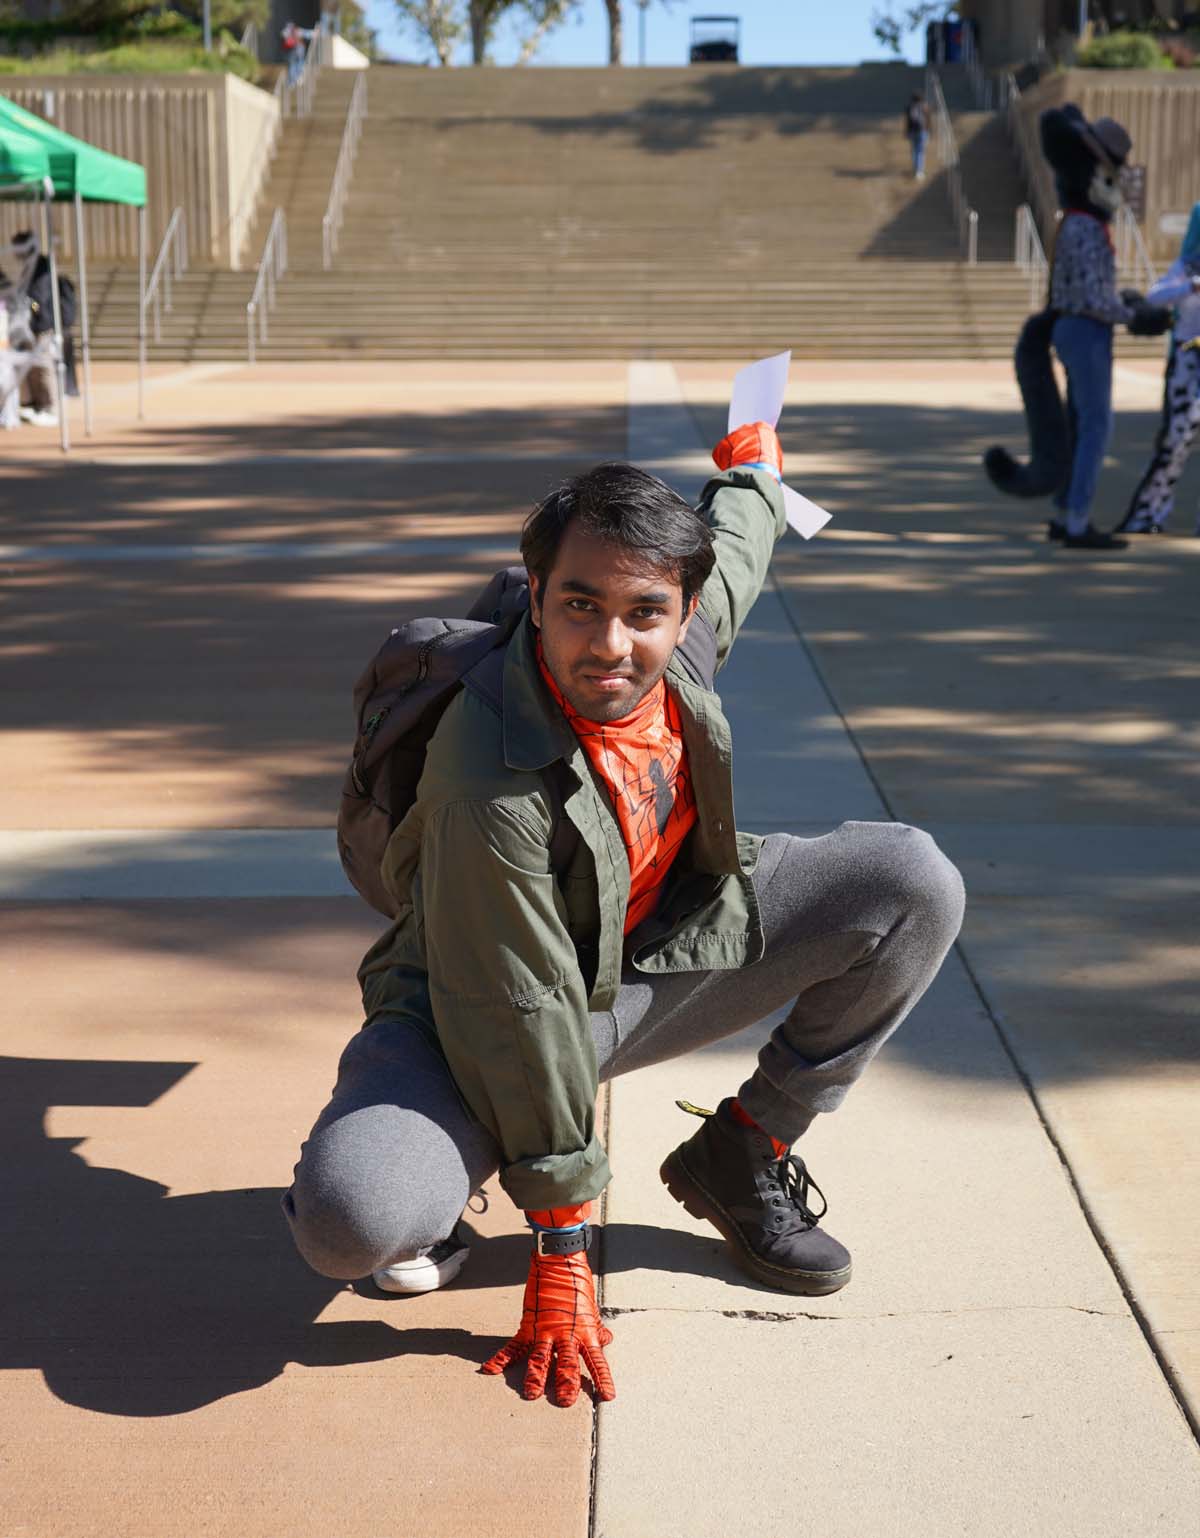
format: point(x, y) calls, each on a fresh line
point(609, 624)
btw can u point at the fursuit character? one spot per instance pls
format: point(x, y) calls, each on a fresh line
point(1151, 504)
point(1068, 442)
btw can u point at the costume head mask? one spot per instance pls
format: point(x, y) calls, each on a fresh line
point(24, 245)
point(1104, 190)
point(25, 248)
point(1086, 158)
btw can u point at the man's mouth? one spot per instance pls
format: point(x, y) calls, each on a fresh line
point(608, 680)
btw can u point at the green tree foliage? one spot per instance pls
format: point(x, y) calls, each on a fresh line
point(443, 24)
point(1124, 50)
point(440, 25)
point(143, 18)
point(891, 23)
point(356, 31)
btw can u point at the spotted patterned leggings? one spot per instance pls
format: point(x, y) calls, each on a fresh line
point(1155, 495)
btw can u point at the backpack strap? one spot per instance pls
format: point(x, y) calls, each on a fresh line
point(698, 651)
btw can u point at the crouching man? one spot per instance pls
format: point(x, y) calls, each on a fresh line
point(574, 903)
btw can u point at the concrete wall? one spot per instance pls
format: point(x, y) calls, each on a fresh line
point(205, 141)
point(1010, 31)
point(1160, 110)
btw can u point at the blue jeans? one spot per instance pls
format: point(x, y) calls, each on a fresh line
point(1084, 347)
point(917, 143)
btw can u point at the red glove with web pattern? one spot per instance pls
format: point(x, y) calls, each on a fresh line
point(755, 444)
point(560, 1322)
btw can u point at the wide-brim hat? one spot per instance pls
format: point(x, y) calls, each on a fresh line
point(1107, 140)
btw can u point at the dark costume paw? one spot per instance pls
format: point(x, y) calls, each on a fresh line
point(1147, 319)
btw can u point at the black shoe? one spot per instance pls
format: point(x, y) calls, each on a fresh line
point(732, 1177)
point(1056, 529)
point(1093, 538)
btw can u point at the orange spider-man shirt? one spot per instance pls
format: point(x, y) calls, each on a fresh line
point(642, 760)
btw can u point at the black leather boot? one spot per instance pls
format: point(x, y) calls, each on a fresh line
point(731, 1176)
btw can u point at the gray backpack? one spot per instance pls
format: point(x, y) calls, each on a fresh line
point(398, 703)
point(402, 696)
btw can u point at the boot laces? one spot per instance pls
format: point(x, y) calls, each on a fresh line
point(792, 1179)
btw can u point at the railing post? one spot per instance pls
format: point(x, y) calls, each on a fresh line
point(972, 238)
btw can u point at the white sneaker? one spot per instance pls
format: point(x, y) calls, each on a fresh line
point(41, 419)
point(428, 1271)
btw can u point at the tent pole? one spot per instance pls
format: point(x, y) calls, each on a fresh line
point(141, 312)
point(84, 323)
point(60, 370)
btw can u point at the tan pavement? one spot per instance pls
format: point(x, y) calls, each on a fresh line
point(188, 603)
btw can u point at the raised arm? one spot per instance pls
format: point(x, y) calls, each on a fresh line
point(744, 508)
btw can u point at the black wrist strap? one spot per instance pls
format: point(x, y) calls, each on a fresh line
point(566, 1242)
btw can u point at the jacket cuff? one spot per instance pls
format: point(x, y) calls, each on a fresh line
point(766, 483)
point(557, 1180)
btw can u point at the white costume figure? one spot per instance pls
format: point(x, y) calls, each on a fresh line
point(38, 391)
point(1154, 498)
point(15, 358)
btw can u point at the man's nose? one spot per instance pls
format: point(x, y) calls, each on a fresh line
point(611, 641)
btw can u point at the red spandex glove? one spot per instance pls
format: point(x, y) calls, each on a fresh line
point(754, 444)
point(560, 1319)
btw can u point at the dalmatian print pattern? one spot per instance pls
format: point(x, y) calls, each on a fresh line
point(1155, 496)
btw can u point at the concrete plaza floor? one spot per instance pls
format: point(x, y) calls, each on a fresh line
point(187, 604)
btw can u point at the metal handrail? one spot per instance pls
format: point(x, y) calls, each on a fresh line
point(331, 225)
point(1045, 215)
point(249, 38)
point(1131, 248)
point(164, 272)
point(271, 268)
point(297, 100)
point(966, 219)
point(1028, 252)
point(983, 87)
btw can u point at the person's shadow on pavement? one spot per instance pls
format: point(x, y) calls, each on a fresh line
point(134, 1302)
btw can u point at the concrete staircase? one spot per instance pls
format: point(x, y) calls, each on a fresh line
point(302, 172)
point(616, 213)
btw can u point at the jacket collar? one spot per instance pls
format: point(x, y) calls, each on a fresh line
point(535, 730)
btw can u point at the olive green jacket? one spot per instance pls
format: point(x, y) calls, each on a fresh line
point(501, 959)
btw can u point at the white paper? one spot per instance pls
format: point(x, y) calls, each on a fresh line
point(804, 516)
point(758, 391)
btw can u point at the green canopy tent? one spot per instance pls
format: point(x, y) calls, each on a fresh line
point(23, 162)
point(80, 173)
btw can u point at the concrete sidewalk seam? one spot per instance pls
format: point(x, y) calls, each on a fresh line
point(1190, 1415)
point(774, 1316)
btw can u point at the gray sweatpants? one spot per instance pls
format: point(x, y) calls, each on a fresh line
point(857, 924)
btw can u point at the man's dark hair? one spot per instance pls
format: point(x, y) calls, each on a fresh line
point(630, 509)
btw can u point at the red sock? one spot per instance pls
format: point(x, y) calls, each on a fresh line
point(741, 1115)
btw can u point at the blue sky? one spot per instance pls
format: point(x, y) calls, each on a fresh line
point(773, 32)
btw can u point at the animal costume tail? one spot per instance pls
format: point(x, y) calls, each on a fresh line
point(1049, 436)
